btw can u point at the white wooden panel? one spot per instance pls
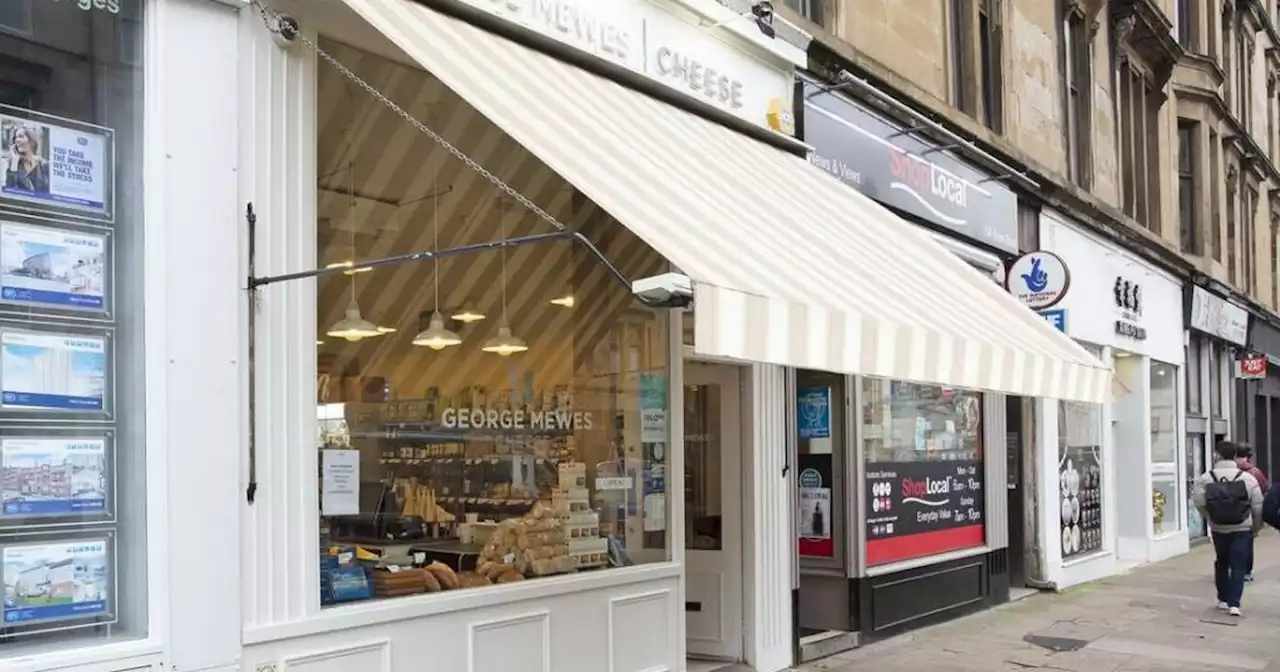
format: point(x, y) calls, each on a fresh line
point(518, 643)
point(633, 643)
point(369, 657)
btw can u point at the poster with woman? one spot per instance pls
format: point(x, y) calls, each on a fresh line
point(54, 164)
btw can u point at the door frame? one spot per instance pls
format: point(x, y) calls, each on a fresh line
point(738, 536)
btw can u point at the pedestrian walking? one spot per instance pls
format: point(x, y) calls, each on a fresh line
point(1244, 460)
point(1231, 500)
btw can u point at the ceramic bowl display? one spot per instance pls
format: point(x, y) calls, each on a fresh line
point(1066, 510)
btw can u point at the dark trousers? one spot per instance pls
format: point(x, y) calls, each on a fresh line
point(1233, 551)
point(1248, 564)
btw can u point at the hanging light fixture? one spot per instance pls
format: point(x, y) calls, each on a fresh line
point(505, 343)
point(567, 301)
point(467, 315)
point(436, 336)
point(353, 327)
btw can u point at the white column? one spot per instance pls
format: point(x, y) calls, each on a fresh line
point(769, 541)
point(194, 330)
point(277, 135)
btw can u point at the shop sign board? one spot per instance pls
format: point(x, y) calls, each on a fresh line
point(1038, 279)
point(905, 171)
point(1219, 317)
point(1057, 317)
point(921, 508)
point(1251, 366)
point(645, 38)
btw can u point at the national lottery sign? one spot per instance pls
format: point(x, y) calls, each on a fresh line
point(57, 164)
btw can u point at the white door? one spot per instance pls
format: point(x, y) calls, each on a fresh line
point(713, 510)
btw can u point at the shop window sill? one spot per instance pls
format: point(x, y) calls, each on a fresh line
point(138, 653)
point(1084, 559)
point(363, 614)
point(1165, 536)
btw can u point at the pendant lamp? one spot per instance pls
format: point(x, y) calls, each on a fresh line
point(353, 327)
point(505, 343)
point(436, 336)
point(467, 315)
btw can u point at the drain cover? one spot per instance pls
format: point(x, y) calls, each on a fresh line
point(1058, 644)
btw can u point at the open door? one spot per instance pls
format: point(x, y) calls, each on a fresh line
point(713, 510)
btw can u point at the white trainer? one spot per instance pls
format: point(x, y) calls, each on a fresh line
point(1222, 606)
point(1233, 611)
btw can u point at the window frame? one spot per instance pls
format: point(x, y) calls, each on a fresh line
point(29, 29)
point(1189, 234)
point(990, 30)
point(1077, 81)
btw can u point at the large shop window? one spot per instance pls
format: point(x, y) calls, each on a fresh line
point(1081, 474)
point(497, 416)
point(72, 410)
point(924, 470)
point(1165, 456)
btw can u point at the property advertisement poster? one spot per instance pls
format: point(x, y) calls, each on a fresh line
point(920, 508)
point(52, 267)
point(55, 581)
point(815, 514)
point(61, 372)
point(55, 162)
point(52, 477)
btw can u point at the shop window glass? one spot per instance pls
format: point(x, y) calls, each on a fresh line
point(494, 417)
point(1165, 462)
point(1195, 462)
point(1080, 478)
point(72, 420)
point(924, 469)
point(1215, 379)
point(1194, 366)
point(703, 444)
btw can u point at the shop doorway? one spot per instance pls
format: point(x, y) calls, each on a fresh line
point(826, 506)
point(1015, 430)
point(713, 510)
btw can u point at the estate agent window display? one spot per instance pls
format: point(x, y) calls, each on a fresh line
point(924, 470)
point(73, 546)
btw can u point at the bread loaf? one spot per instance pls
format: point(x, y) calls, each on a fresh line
point(430, 581)
point(444, 574)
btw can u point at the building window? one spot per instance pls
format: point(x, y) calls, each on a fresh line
point(523, 432)
point(1249, 255)
point(15, 15)
point(1165, 457)
point(1188, 229)
point(1233, 198)
point(1244, 75)
point(1077, 76)
point(809, 9)
point(913, 433)
point(1081, 470)
point(1226, 43)
point(1139, 143)
point(1195, 405)
point(73, 454)
point(1185, 14)
point(1275, 259)
point(991, 53)
point(963, 81)
point(1215, 196)
point(1216, 355)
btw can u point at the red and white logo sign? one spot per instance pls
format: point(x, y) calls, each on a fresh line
point(1251, 367)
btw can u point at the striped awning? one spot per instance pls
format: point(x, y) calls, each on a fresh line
point(789, 265)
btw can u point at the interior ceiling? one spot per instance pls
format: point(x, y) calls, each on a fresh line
point(377, 175)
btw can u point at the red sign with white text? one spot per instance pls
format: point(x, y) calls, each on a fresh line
point(1251, 367)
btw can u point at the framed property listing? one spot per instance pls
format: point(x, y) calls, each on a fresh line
point(54, 371)
point(56, 166)
point(57, 270)
point(56, 477)
point(57, 581)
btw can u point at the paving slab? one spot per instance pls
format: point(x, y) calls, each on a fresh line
point(1157, 618)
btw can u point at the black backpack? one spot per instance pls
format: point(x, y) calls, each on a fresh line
point(1227, 501)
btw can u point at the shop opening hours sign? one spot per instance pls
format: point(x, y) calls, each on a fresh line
point(916, 509)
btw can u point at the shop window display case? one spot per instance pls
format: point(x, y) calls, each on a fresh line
point(1166, 463)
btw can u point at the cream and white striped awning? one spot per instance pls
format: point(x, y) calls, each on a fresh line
point(789, 265)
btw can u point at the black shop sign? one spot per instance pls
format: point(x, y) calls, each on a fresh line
point(896, 166)
point(915, 509)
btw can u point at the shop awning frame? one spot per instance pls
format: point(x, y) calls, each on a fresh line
point(789, 266)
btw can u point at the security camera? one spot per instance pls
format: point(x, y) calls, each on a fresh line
point(763, 11)
point(286, 30)
point(669, 290)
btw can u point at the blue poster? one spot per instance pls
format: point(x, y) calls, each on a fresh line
point(54, 371)
point(55, 581)
point(813, 412)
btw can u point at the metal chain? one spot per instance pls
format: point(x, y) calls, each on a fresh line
point(272, 19)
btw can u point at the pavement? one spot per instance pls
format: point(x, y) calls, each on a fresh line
point(1157, 618)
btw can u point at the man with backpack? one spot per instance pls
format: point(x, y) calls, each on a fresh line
point(1244, 460)
point(1231, 500)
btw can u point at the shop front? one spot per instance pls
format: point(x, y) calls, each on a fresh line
point(1263, 367)
point(1218, 332)
point(925, 537)
point(433, 402)
point(1111, 483)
